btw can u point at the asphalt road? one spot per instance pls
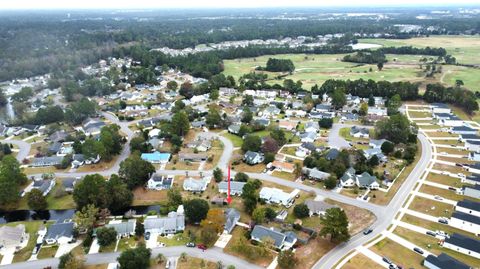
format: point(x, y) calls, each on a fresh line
point(213, 254)
point(387, 214)
point(23, 147)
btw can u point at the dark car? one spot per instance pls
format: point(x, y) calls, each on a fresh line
point(147, 236)
point(392, 266)
point(419, 251)
point(190, 245)
point(367, 231)
point(387, 260)
point(431, 233)
point(443, 221)
point(201, 246)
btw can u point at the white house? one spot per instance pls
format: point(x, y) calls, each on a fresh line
point(463, 244)
point(236, 187)
point(277, 196)
point(59, 233)
point(377, 111)
point(463, 130)
point(348, 179)
point(173, 223)
point(440, 108)
point(196, 185)
point(472, 145)
point(123, 229)
point(295, 113)
point(465, 221)
point(312, 127)
point(317, 207)
point(160, 182)
point(448, 120)
point(359, 132)
point(12, 237)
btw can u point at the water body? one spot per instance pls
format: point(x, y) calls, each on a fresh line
point(61, 215)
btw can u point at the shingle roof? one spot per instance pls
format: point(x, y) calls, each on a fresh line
point(443, 261)
point(466, 217)
point(464, 242)
point(58, 230)
point(469, 204)
point(262, 232)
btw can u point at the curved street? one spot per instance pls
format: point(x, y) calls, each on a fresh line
point(384, 214)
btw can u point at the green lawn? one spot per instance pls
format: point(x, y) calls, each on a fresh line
point(32, 228)
point(399, 254)
point(47, 252)
point(63, 202)
point(127, 243)
point(177, 240)
point(109, 248)
point(236, 140)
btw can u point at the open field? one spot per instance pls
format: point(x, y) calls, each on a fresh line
point(430, 207)
point(361, 261)
point(433, 226)
point(398, 254)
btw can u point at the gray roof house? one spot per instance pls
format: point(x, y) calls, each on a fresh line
point(46, 161)
point(332, 154)
point(171, 224)
point(280, 240)
point(472, 191)
point(123, 228)
point(12, 237)
point(59, 233)
point(374, 143)
point(369, 153)
point(195, 185)
point(192, 157)
point(234, 128)
point(232, 216)
point(312, 126)
point(69, 183)
point(45, 186)
point(253, 158)
point(315, 174)
point(367, 181)
point(443, 261)
point(308, 137)
point(92, 126)
point(236, 187)
point(463, 244)
point(361, 132)
point(317, 207)
point(262, 122)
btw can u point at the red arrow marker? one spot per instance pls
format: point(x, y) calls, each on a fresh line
point(229, 199)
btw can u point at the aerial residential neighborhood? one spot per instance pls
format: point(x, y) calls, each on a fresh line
point(326, 135)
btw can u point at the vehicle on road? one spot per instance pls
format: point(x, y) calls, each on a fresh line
point(443, 220)
point(147, 236)
point(201, 246)
point(418, 250)
point(438, 197)
point(387, 260)
point(190, 245)
point(367, 231)
point(167, 264)
point(431, 233)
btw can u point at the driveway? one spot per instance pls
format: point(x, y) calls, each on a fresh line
point(7, 256)
point(95, 247)
point(335, 140)
point(65, 248)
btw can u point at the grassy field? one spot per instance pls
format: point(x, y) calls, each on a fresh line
point(430, 207)
point(192, 262)
point(398, 254)
point(361, 261)
point(47, 252)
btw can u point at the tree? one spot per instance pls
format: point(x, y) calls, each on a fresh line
point(106, 236)
point(363, 111)
point(249, 196)
point(121, 196)
point(36, 201)
point(138, 143)
point(217, 174)
point(335, 223)
point(214, 94)
point(380, 66)
point(338, 98)
point(268, 157)
point(70, 261)
point(326, 123)
point(213, 118)
point(279, 136)
point(135, 172)
point(172, 85)
point(459, 83)
point(186, 89)
point(373, 161)
point(301, 211)
point(396, 129)
point(387, 147)
point(92, 190)
point(215, 218)
point(330, 183)
point(174, 198)
point(286, 259)
point(241, 177)
point(92, 148)
point(136, 258)
point(252, 143)
point(258, 215)
point(394, 104)
point(11, 180)
point(371, 101)
point(247, 100)
point(86, 218)
point(182, 124)
point(270, 214)
point(196, 210)
point(269, 145)
point(247, 115)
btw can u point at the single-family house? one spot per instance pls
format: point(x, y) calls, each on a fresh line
point(323, 107)
point(59, 233)
point(466, 222)
point(12, 237)
point(377, 111)
point(270, 111)
point(315, 174)
point(468, 207)
point(359, 132)
point(317, 207)
point(160, 182)
point(472, 145)
point(440, 108)
point(369, 153)
point(154, 133)
point(295, 113)
point(227, 92)
point(349, 117)
point(366, 181)
point(443, 261)
point(123, 229)
point(463, 130)
point(463, 244)
point(374, 143)
point(471, 191)
point(253, 158)
point(287, 125)
point(332, 154)
point(192, 157)
point(173, 223)
point(43, 185)
point(261, 122)
point(46, 161)
point(321, 115)
point(312, 127)
point(308, 137)
point(277, 196)
point(196, 185)
point(201, 145)
point(156, 157)
point(349, 178)
point(448, 120)
point(91, 127)
point(198, 124)
point(309, 147)
point(236, 187)
point(234, 128)
point(232, 216)
point(58, 136)
point(69, 183)
point(282, 241)
point(282, 166)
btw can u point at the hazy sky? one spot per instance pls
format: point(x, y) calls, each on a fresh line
point(137, 4)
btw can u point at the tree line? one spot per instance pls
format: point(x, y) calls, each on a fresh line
point(457, 95)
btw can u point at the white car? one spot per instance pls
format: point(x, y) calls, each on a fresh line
point(438, 197)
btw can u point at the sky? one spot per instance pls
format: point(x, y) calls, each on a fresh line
point(142, 4)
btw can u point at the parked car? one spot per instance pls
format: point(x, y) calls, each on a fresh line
point(392, 266)
point(147, 236)
point(167, 264)
point(190, 245)
point(201, 246)
point(431, 233)
point(443, 221)
point(438, 197)
point(367, 231)
point(418, 250)
point(387, 260)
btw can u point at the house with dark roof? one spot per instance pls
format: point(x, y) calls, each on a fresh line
point(236, 187)
point(160, 182)
point(92, 126)
point(364, 180)
point(463, 244)
point(312, 127)
point(69, 183)
point(261, 122)
point(123, 229)
point(192, 157)
point(440, 108)
point(59, 233)
point(234, 128)
point(332, 154)
point(473, 179)
point(232, 216)
point(471, 137)
point(443, 261)
point(253, 158)
point(323, 107)
point(46, 161)
point(282, 241)
point(58, 136)
point(349, 178)
point(359, 132)
point(463, 130)
point(369, 153)
point(466, 222)
point(43, 185)
point(468, 207)
point(308, 137)
point(173, 223)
